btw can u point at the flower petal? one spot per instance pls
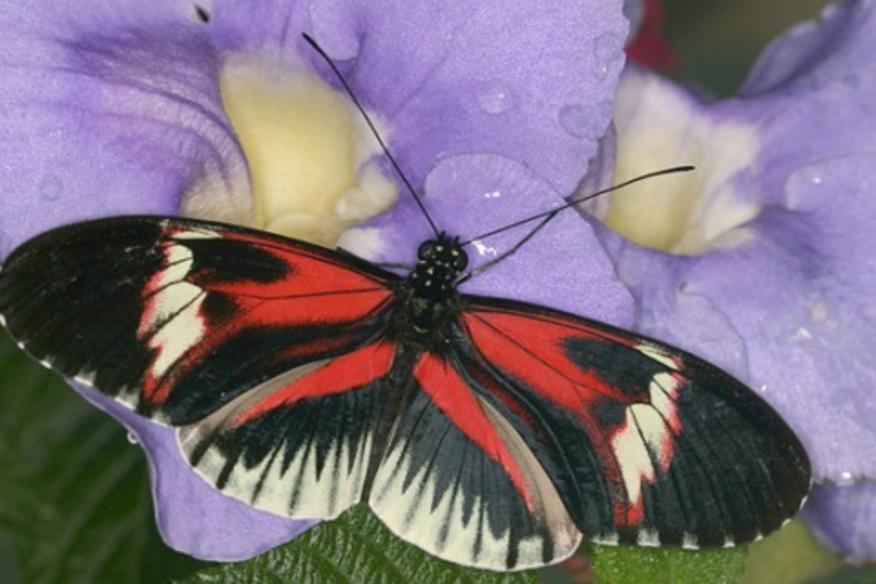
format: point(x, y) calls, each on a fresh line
point(192, 516)
point(103, 120)
point(779, 288)
point(835, 47)
point(527, 80)
point(843, 518)
point(472, 194)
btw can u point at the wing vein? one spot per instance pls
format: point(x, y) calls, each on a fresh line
point(540, 360)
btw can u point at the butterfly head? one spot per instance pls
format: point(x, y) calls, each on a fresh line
point(439, 263)
point(444, 253)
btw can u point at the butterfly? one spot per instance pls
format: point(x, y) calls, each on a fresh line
point(486, 431)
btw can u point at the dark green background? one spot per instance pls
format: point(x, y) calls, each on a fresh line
point(716, 41)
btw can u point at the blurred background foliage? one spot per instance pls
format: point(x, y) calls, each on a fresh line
point(74, 493)
point(716, 41)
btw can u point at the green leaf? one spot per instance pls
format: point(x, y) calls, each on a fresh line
point(354, 548)
point(789, 556)
point(74, 493)
point(629, 565)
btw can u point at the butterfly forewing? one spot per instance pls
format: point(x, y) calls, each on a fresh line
point(647, 444)
point(178, 317)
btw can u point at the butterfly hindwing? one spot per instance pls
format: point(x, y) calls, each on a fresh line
point(177, 317)
point(458, 481)
point(647, 444)
point(301, 444)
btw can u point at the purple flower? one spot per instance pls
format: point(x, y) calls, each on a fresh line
point(220, 110)
point(770, 270)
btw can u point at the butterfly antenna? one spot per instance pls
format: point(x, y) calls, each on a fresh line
point(361, 109)
point(553, 212)
point(546, 218)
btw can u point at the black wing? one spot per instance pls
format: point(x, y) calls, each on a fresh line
point(645, 443)
point(177, 317)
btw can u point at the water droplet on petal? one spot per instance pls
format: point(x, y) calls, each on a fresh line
point(846, 479)
point(803, 185)
point(484, 249)
point(51, 188)
point(576, 120)
point(802, 334)
point(813, 176)
point(495, 98)
point(818, 311)
point(493, 194)
point(132, 439)
point(606, 51)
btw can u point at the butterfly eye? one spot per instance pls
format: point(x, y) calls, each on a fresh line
point(426, 250)
point(460, 261)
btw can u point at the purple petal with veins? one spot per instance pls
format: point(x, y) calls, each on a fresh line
point(778, 279)
point(843, 517)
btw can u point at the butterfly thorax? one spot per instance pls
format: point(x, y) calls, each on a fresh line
point(432, 283)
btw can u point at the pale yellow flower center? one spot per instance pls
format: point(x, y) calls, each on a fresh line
point(309, 153)
point(657, 127)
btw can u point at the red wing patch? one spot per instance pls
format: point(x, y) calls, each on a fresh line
point(215, 285)
point(307, 271)
point(544, 353)
point(535, 354)
point(177, 317)
point(458, 480)
point(454, 398)
point(299, 444)
point(536, 351)
point(356, 369)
